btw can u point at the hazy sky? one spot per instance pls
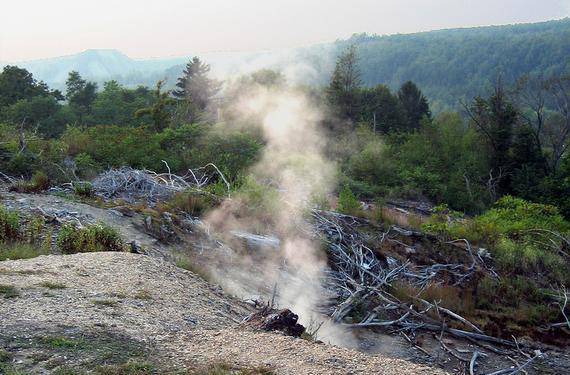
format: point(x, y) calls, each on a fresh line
point(32, 29)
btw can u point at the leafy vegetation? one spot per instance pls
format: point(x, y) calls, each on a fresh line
point(98, 237)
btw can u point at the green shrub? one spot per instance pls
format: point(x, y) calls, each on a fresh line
point(192, 202)
point(98, 237)
point(523, 237)
point(9, 291)
point(39, 182)
point(83, 189)
point(86, 167)
point(347, 202)
point(131, 367)
point(9, 225)
point(19, 250)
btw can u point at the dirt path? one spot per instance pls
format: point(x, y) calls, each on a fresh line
point(85, 310)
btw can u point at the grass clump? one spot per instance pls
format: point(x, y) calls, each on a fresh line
point(60, 342)
point(191, 202)
point(105, 302)
point(131, 367)
point(93, 238)
point(185, 263)
point(39, 182)
point(83, 189)
point(9, 291)
point(228, 369)
point(9, 225)
point(19, 250)
point(53, 285)
point(4, 356)
point(143, 295)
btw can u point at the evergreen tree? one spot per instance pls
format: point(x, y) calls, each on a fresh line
point(415, 105)
point(343, 90)
point(379, 107)
point(159, 110)
point(196, 88)
point(495, 119)
point(17, 84)
point(80, 94)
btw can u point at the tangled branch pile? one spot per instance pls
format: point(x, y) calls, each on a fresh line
point(362, 277)
point(135, 184)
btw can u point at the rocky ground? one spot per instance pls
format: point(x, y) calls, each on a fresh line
point(86, 310)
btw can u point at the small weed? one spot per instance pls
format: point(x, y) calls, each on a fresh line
point(60, 342)
point(53, 285)
point(143, 294)
point(227, 369)
point(83, 189)
point(20, 250)
point(105, 302)
point(131, 367)
point(9, 291)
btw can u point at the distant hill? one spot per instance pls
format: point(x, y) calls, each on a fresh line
point(448, 65)
point(461, 63)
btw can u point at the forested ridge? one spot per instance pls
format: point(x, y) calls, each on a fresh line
point(461, 63)
point(449, 65)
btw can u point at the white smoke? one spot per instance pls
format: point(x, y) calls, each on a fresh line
point(294, 162)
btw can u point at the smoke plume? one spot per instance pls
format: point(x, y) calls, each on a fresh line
point(293, 165)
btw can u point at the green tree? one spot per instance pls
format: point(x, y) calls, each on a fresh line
point(42, 113)
point(343, 90)
point(196, 88)
point(380, 108)
point(159, 111)
point(415, 105)
point(17, 84)
point(495, 119)
point(80, 94)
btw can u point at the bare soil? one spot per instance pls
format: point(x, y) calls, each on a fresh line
point(108, 307)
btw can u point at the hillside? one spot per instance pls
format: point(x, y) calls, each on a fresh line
point(447, 64)
point(78, 312)
point(461, 63)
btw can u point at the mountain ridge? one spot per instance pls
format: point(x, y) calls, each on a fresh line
point(448, 64)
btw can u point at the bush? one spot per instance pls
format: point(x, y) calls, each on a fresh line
point(347, 202)
point(20, 250)
point(93, 238)
point(9, 225)
point(192, 202)
point(39, 182)
point(523, 237)
point(83, 189)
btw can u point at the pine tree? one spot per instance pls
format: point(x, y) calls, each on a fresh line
point(415, 105)
point(159, 110)
point(80, 94)
point(195, 87)
point(345, 83)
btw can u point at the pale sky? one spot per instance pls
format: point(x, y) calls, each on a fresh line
point(31, 29)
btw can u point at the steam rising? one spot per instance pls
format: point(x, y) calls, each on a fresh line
point(293, 162)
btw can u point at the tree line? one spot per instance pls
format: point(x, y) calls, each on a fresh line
point(512, 141)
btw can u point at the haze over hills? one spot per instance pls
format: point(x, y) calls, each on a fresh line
point(446, 64)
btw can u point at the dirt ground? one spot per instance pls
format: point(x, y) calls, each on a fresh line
point(149, 308)
point(86, 310)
